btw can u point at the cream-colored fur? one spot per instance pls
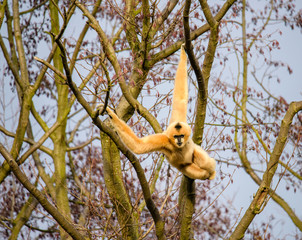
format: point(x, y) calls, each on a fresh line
point(175, 142)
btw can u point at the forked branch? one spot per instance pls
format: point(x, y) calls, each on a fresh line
point(64, 223)
point(260, 198)
point(159, 224)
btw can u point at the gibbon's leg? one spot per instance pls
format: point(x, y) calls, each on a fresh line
point(180, 94)
point(194, 172)
point(155, 142)
point(204, 161)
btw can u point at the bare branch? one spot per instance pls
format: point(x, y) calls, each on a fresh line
point(132, 158)
point(56, 71)
point(260, 198)
point(207, 13)
point(28, 140)
point(110, 54)
point(194, 35)
point(190, 52)
point(64, 223)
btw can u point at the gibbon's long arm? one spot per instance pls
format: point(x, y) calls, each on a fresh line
point(180, 94)
point(155, 142)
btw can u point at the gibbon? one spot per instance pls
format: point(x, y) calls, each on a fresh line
point(175, 143)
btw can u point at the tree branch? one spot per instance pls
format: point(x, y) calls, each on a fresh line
point(28, 140)
point(189, 49)
point(260, 198)
point(195, 34)
point(207, 13)
point(64, 223)
point(110, 54)
point(159, 224)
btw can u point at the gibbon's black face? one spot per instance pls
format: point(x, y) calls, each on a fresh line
point(179, 139)
point(179, 133)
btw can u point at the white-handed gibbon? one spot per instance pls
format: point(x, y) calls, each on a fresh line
point(175, 142)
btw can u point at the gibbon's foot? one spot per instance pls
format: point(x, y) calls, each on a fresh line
point(211, 166)
point(211, 169)
point(212, 176)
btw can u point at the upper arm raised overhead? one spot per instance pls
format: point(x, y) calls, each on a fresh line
point(180, 94)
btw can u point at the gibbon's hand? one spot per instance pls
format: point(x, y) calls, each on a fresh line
point(110, 113)
point(100, 108)
point(183, 46)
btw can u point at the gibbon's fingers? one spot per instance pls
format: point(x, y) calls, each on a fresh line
point(180, 94)
point(100, 106)
point(108, 110)
point(101, 109)
point(194, 172)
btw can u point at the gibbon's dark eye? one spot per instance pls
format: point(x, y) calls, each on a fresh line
point(179, 136)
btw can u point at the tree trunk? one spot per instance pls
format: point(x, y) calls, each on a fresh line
point(114, 183)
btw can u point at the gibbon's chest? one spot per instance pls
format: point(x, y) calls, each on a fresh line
point(181, 156)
